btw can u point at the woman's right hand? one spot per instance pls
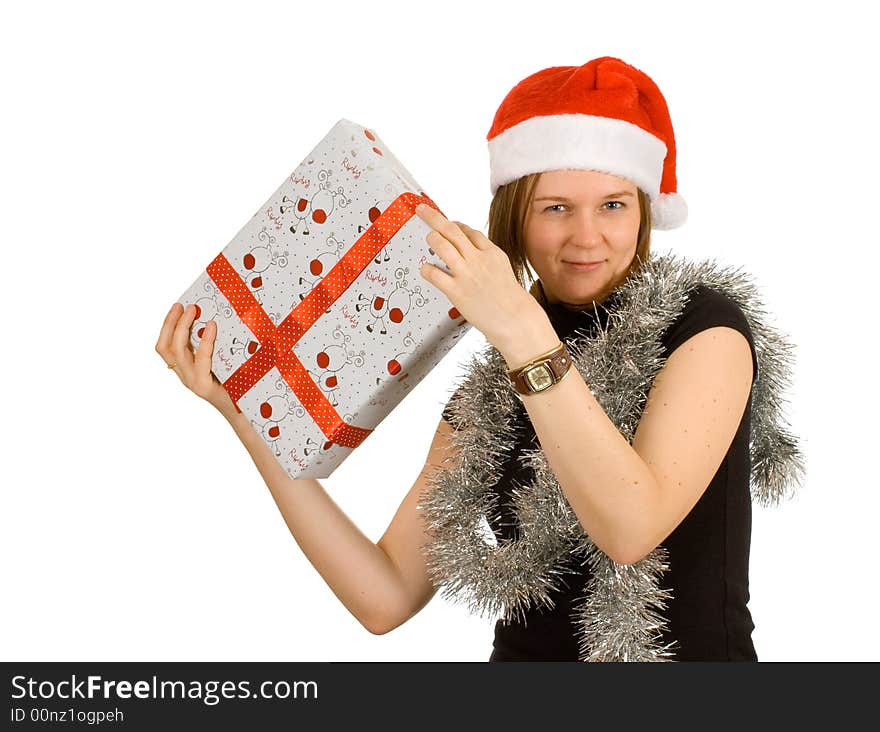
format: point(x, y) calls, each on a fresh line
point(193, 367)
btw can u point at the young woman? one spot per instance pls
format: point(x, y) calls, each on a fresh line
point(613, 432)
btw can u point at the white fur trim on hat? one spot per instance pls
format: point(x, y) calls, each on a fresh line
point(577, 142)
point(668, 211)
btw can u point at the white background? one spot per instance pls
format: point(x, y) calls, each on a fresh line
point(138, 140)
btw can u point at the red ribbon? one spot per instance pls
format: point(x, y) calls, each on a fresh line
point(277, 342)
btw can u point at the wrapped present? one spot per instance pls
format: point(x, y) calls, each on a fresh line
point(324, 323)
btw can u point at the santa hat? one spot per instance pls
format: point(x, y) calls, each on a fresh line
point(605, 115)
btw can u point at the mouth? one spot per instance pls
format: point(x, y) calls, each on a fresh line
point(584, 266)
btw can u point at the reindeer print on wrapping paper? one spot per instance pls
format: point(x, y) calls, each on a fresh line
point(393, 305)
point(318, 208)
point(374, 213)
point(331, 361)
point(208, 307)
point(395, 365)
point(258, 259)
point(321, 264)
point(244, 347)
point(274, 411)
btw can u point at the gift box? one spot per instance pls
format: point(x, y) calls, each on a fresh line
point(324, 322)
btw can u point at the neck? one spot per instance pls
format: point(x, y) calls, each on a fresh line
point(575, 307)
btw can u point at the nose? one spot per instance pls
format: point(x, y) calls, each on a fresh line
point(586, 229)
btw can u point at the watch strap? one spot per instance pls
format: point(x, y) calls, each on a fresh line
point(558, 360)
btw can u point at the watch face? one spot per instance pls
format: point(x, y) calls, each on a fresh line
point(539, 377)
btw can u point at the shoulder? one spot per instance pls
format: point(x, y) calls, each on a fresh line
point(707, 308)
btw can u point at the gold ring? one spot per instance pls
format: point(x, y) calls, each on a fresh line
point(172, 365)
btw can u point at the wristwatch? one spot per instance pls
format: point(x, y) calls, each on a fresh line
point(541, 372)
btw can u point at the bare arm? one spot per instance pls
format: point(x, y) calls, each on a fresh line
point(630, 497)
point(382, 584)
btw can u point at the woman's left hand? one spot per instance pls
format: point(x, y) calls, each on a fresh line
point(482, 285)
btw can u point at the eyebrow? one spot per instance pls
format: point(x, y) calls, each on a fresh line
point(619, 194)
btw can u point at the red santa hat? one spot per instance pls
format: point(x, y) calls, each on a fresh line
point(605, 115)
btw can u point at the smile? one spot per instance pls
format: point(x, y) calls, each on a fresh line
point(583, 267)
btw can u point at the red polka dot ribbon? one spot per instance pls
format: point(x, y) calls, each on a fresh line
point(276, 343)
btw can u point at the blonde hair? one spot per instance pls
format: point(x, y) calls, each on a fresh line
point(507, 218)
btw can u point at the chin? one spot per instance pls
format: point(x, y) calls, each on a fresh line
point(585, 297)
point(582, 293)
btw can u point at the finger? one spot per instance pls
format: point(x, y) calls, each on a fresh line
point(446, 228)
point(437, 277)
point(451, 232)
point(205, 351)
point(163, 345)
point(476, 237)
point(180, 340)
point(446, 250)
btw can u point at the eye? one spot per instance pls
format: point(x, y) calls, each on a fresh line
point(619, 203)
point(555, 205)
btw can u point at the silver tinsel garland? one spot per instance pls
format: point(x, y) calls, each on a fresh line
point(620, 617)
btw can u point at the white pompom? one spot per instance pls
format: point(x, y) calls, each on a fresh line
point(668, 211)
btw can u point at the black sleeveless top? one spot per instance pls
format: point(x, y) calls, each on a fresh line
point(708, 551)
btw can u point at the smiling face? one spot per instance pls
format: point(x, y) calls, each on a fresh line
point(577, 217)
